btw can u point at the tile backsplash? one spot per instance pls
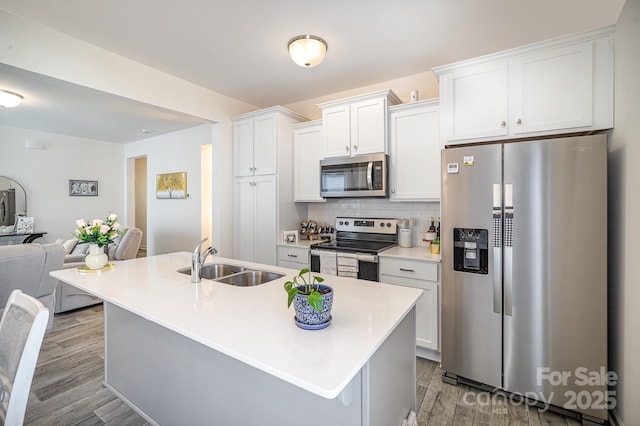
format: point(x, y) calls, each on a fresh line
point(376, 207)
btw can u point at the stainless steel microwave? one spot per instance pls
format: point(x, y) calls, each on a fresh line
point(362, 176)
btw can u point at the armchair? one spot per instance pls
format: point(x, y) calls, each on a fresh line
point(26, 267)
point(124, 247)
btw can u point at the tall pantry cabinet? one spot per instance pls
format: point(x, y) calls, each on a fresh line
point(263, 182)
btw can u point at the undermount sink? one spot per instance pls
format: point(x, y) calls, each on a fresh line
point(250, 278)
point(233, 275)
point(213, 271)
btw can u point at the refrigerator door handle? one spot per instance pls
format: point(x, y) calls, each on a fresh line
point(497, 255)
point(497, 249)
point(508, 249)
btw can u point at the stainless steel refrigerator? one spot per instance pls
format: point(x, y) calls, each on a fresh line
point(524, 269)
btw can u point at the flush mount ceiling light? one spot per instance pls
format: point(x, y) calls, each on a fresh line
point(9, 99)
point(307, 50)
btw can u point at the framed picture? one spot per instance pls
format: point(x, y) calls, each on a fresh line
point(171, 185)
point(24, 225)
point(290, 236)
point(83, 188)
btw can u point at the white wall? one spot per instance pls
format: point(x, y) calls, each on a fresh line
point(624, 212)
point(140, 198)
point(40, 49)
point(425, 83)
point(45, 175)
point(172, 224)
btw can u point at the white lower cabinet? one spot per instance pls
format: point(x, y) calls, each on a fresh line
point(256, 221)
point(293, 257)
point(425, 276)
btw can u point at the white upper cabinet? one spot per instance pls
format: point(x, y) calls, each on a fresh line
point(356, 125)
point(561, 86)
point(256, 137)
point(552, 89)
point(474, 102)
point(307, 152)
point(414, 140)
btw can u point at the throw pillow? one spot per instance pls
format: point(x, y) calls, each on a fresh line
point(69, 245)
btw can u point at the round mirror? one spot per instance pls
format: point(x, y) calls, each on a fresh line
point(13, 201)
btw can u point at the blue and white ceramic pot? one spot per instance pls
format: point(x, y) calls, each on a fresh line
point(305, 314)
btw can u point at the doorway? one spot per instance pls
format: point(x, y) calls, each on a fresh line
point(137, 198)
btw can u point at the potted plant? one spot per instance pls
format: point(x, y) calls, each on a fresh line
point(311, 300)
point(435, 246)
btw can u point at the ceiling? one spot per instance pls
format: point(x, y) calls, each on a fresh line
point(239, 48)
point(56, 106)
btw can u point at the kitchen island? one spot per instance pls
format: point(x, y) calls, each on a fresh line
point(185, 353)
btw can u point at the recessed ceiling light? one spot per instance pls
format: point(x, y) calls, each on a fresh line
point(9, 99)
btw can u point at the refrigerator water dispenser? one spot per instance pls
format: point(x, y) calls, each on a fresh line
point(471, 250)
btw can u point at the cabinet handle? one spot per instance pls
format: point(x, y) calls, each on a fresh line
point(292, 255)
point(503, 124)
point(393, 191)
point(519, 122)
point(346, 147)
point(407, 270)
point(355, 147)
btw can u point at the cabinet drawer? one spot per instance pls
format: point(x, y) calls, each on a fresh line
point(293, 254)
point(406, 268)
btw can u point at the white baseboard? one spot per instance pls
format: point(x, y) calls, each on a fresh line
point(428, 354)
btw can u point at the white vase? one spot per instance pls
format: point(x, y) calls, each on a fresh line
point(96, 258)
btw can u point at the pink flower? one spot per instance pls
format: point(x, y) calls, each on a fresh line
point(80, 223)
point(113, 217)
point(88, 229)
point(104, 229)
point(98, 222)
point(115, 225)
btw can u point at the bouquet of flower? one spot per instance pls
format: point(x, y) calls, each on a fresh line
point(98, 231)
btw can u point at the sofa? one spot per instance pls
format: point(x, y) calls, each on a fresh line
point(124, 247)
point(26, 267)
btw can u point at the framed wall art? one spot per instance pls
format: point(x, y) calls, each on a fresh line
point(83, 188)
point(171, 185)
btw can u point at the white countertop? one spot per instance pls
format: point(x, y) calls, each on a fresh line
point(413, 253)
point(253, 324)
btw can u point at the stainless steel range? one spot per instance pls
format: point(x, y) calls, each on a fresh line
point(354, 252)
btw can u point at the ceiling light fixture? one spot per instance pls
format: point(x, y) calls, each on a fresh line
point(9, 99)
point(307, 50)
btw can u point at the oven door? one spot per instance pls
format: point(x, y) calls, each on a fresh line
point(367, 267)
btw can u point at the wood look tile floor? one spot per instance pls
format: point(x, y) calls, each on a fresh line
point(67, 386)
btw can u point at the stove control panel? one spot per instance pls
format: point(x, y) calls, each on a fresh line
point(357, 224)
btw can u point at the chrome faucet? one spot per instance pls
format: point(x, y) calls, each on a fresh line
point(197, 260)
